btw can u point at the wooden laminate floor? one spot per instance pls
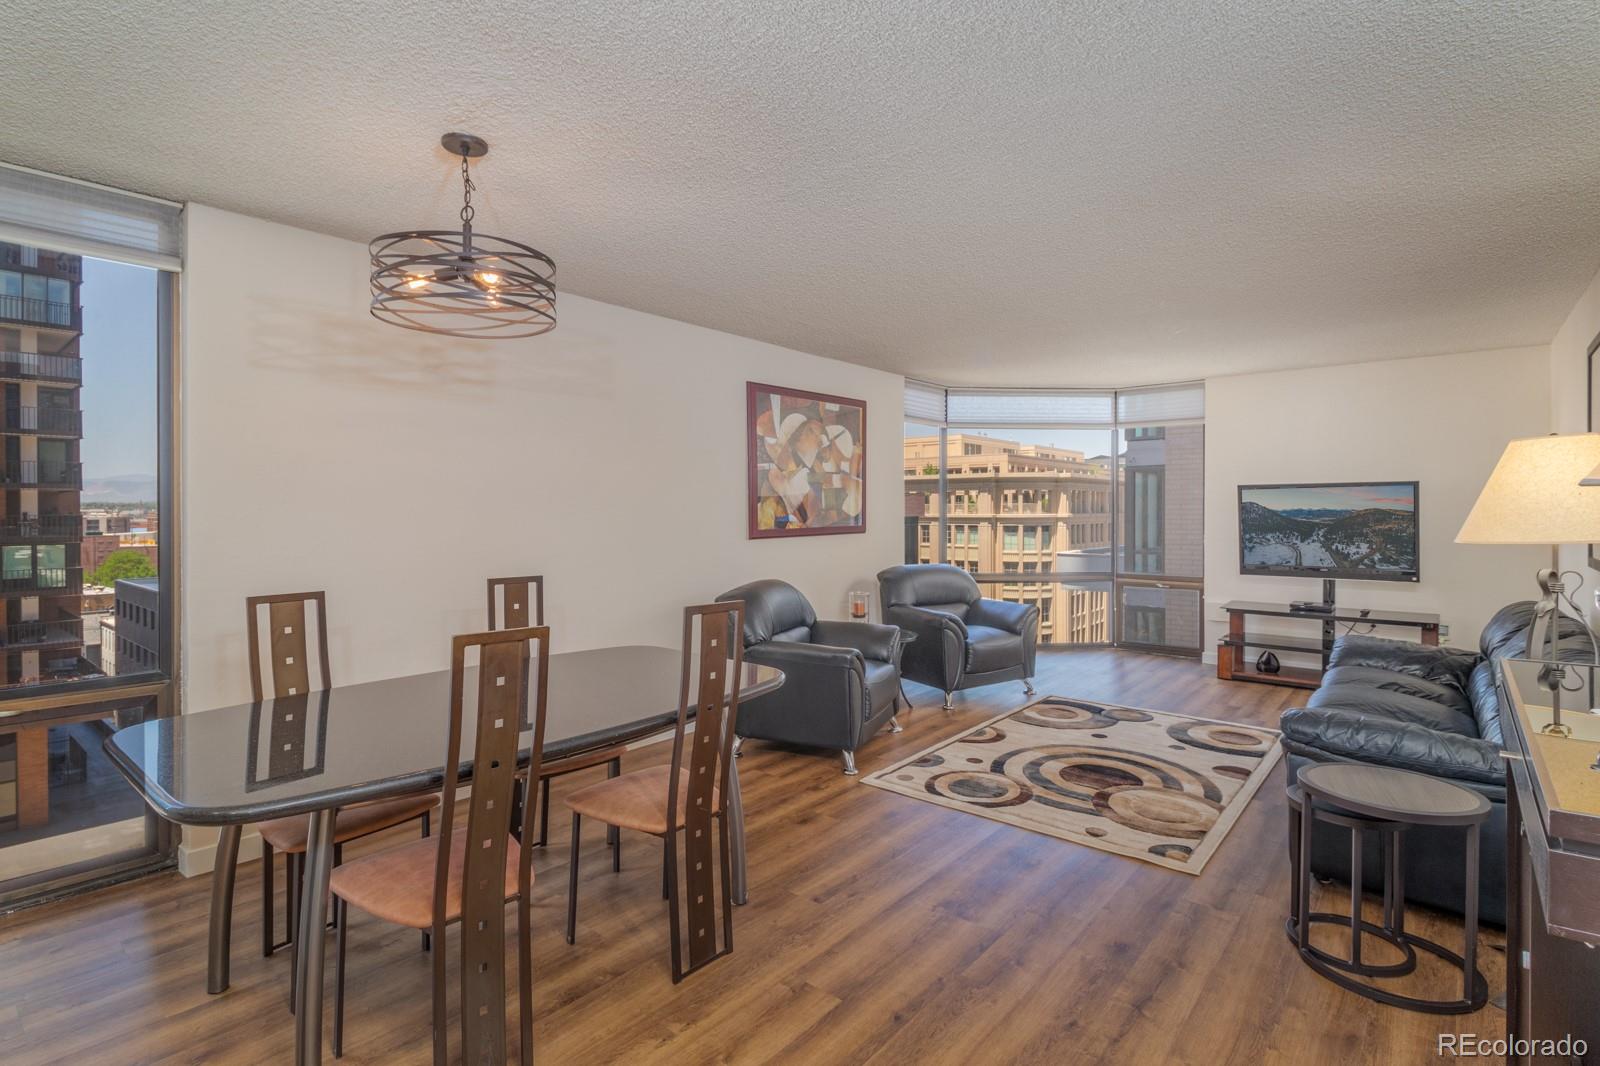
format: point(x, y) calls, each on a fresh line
point(880, 930)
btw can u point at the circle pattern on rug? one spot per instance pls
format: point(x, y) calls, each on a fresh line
point(1158, 810)
point(1053, 712)
point(978, 788)
point(987, 735)
point(1223, 737)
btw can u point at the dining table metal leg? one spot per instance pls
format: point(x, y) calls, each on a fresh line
point(221, 936)
point(311, 941)
point(736, 833)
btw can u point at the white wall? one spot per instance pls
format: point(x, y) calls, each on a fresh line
point(325, 450)
point(1441, 420)
point(1569, 409)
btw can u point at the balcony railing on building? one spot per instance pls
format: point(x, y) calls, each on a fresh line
point(64, 581)
point(31, 474)
point(39, 312)
point(56, 528)
point(53, 421)
point(59, 632)
point(41, 366)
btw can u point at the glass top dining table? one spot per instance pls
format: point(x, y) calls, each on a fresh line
point(312, 753)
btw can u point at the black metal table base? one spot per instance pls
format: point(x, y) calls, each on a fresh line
point(1347, 973)
point(1339, 971)
point(1394, 938)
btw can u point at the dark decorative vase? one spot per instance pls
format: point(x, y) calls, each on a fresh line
point(1268, 663)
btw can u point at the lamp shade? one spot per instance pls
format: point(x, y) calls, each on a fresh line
point(1534, 495)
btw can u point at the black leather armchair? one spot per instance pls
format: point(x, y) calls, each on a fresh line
point(963, 640)
point(1428, 709)
point(841, 679)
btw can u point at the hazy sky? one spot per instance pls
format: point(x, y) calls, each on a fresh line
point(119, 369)
point(1343, 498)
point(1090, 442)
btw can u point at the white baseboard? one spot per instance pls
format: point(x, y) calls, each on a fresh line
point(1209, 658)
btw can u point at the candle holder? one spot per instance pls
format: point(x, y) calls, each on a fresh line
point(860, 605)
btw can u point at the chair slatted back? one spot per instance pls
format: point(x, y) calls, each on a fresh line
point(287, 621)
point(523, 601)
point(507, 677)
point(713, 658)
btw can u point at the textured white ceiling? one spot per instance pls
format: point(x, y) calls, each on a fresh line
point(975, 192)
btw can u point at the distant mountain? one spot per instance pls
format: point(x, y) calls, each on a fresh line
point(121, 488)
point(1315, 514)
point(1369, 539)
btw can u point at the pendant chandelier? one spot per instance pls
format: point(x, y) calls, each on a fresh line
point(460, 283)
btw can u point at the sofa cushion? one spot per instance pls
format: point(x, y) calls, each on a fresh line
point(1445, 694)
point(1447, 666)
point(1507, 631)
point(989, 649)
point(883, 685)
point(1396, 704)
point(959, 610)
point(773, 610)
point(1486, 702)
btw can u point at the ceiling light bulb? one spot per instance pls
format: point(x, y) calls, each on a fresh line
point(417, 281)
point(488, 277)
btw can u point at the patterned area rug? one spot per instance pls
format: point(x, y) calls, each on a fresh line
point(1165, 788)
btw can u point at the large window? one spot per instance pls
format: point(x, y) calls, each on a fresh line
point(85, 641)
point(1087, 504)
point(924, 507)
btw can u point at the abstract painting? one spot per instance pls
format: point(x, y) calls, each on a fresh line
point(807, 457)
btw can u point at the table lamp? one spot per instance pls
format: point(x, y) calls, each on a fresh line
point(1535, 496)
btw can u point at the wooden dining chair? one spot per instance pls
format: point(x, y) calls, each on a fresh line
point(686, 795)
point(512, 598)
point(467, 874)
point(288, 648)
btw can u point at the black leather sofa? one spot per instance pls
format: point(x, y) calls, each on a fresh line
point(1434, 710)
point(841, 679)
point(963, 640)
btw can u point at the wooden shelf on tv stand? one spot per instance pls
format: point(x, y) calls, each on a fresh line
point(1236, 663)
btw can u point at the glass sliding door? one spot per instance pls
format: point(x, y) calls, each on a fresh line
point(1086, 503)
point(1030, 516)
point(924, 508)
point(1161, 520)
point(86, 563)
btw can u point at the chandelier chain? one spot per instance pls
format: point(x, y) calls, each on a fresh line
point(466, 194)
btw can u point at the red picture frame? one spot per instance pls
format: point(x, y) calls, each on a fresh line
point(806, 454)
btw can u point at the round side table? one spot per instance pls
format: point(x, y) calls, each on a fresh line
point(1380, 799)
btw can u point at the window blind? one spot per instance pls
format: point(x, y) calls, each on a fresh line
point(924, 402)
point(1030, 407)
point(1184, 402)
point(67, 215)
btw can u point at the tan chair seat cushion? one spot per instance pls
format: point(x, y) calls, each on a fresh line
point(636, 800)
point(397, 884)
point(358, 820)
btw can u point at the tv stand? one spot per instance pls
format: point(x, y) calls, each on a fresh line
point(1236, 663)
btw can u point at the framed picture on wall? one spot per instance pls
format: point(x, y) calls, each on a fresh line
point(1594, 424)
point(807, 454)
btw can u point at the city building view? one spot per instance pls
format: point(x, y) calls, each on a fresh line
point(78, 540)
point(60, 556)
point(1037, 523)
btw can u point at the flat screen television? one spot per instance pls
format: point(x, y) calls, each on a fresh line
point(1363, 530)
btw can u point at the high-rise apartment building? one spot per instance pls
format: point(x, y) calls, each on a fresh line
point(1017, 509)
point(41, 477)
